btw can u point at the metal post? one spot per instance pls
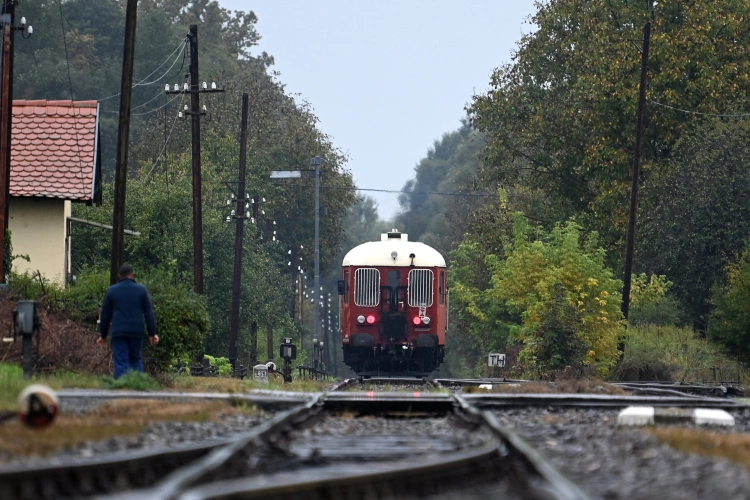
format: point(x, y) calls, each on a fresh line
point(239, 211)
point(123, 136)
point(196, 153)
point(636, 165)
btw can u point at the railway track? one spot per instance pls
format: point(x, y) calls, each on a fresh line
point(338, 445)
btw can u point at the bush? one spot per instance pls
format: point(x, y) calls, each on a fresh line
point(181, 316)
point(222, 364)
point(181, 319)
point(670, 353)
point(729, 327)
point(553, 293)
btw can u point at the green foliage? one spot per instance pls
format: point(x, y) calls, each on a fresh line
point(730, 322)
point(560, 117)
point(672, 354)
point(136, 381)
point(181, 318)
point(84, 299)
point(551, 292)
point(698, 217)
point(451, 165)
point(222, 364)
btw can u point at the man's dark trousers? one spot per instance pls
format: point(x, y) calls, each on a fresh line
point(127, 353)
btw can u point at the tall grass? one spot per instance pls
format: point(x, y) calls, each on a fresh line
point(672, 353)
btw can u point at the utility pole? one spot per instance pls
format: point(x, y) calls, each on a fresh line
point(317, 162)
point(195, 114)
point(636, 173)
point(239, 212)
point(123, 137)
point(7, 20)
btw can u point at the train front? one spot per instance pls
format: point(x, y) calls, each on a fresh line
point(394, 307)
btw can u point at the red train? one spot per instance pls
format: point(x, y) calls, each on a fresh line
point(394, 307)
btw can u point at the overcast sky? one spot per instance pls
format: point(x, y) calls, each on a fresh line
point(387, 77)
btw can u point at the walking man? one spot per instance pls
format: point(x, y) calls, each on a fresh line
point(128, 307)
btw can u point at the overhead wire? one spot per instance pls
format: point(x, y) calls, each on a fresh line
point(718, 115)
point(72, 102)
point(166, 140)
point(182, 45)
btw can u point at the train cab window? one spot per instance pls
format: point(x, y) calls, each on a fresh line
point(420, 287)
point(346, 286)
point(441, 290)
point(367, 287)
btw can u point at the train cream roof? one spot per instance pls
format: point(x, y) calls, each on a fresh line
point(380, 253)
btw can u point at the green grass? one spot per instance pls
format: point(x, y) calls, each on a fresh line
point(133, 380)
point(12, 382)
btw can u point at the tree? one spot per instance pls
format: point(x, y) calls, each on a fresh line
point(730, 321)
point(697, 216)
point(551, 292)
point(561, 116)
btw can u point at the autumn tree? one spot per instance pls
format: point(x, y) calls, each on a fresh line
point(561, 116)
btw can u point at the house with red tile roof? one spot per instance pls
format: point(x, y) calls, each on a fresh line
point(55, 160)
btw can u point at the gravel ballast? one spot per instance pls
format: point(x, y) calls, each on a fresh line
point(615, 462)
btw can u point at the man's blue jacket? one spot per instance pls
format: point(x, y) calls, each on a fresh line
point(126, 305)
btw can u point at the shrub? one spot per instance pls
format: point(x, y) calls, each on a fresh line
point(222, 364)
point(181, 315)
point(670, 353)
point(181, 318)
point(553, 294)
point(729, 327)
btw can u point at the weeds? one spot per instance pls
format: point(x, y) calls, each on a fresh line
point(136, 381)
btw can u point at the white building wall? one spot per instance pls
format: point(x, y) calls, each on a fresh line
point(38, 228)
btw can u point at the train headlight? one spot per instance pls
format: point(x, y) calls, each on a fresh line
point(370, 319)
point(360, 319)
point(426, 320)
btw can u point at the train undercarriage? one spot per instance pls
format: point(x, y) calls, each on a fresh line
point(393, 359)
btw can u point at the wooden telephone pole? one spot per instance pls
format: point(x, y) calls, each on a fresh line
point(195, 113)
point(7, 32)
point(239, 215)
point(123, 135)
point(636, 173)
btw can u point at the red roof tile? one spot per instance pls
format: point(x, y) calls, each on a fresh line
point(53, 149)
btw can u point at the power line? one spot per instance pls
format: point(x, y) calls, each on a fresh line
point(183, 44)
point(72, 102)
point(719, 115)
point(166, 140)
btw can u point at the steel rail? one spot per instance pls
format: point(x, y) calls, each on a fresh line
point(260, 398)
point(341, 483)
point(106, 475)
point(337, 481)
point(171, 486)
point(555, 484)
point(96, 475)
point(597, 401)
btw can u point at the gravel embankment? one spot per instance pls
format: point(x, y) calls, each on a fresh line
point(616, 462)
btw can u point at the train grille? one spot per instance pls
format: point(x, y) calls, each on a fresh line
point(420, 287)
point(367, 287)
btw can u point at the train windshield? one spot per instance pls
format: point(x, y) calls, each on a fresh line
point(420, 287)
